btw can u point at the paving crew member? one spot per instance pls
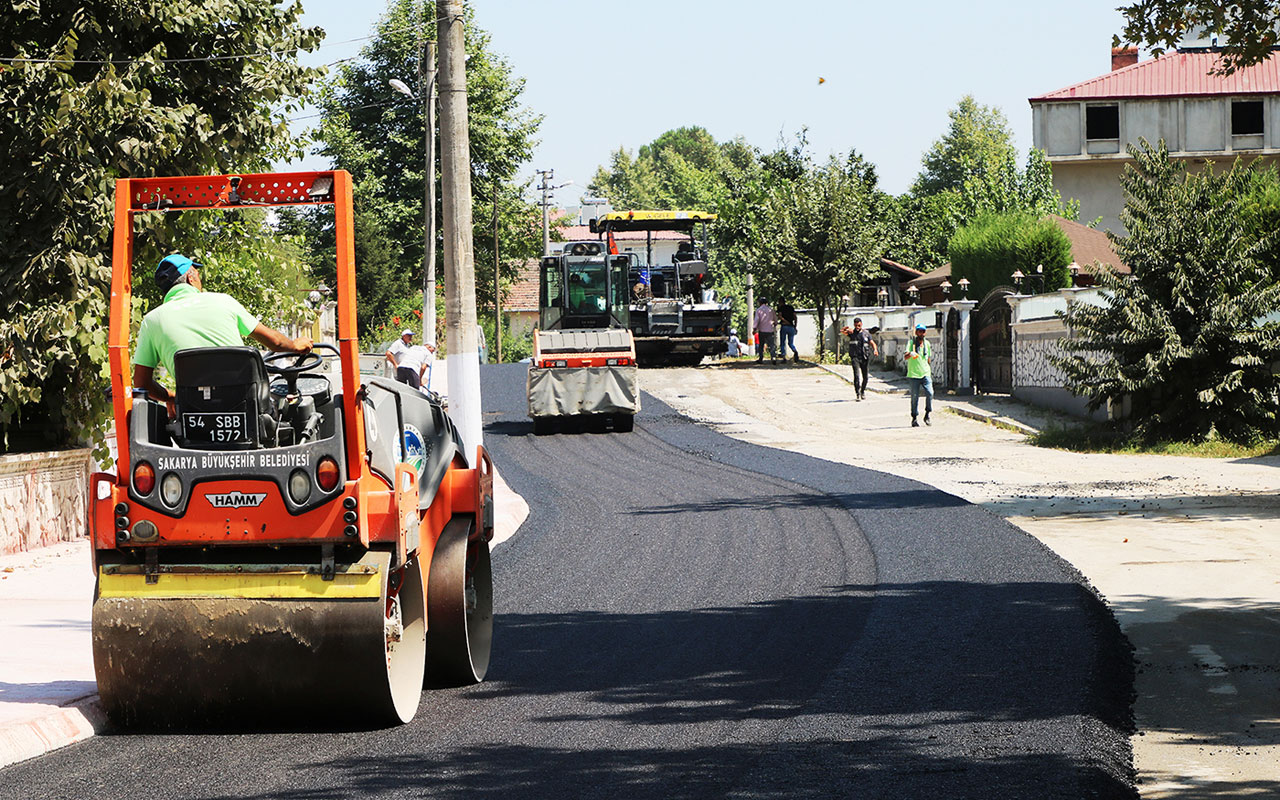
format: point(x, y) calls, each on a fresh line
point(919, 375)
point(407, 359)
point(190, 317)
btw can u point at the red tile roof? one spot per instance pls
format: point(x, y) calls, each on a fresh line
point(523, 294)
point(1089, 246)
point(1176, 74)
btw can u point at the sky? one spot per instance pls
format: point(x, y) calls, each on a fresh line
point(609, 74)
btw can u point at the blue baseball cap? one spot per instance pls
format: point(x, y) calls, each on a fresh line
point(921, 328)
point(172, 267)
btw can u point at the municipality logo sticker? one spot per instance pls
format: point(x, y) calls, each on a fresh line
point(414, 450)
point(236, 499)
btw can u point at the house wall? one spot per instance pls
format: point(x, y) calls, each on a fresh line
point(1194, 129)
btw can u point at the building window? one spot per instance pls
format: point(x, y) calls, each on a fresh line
point(1101, 122)
point(1246, 118)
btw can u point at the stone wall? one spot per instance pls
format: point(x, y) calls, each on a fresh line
point(43, 499)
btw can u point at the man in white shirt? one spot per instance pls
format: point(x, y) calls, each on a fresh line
point(409, 361)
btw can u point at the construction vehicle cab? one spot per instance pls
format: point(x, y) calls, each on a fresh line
point(674, 314)
point(289, 544)
point(584, 361)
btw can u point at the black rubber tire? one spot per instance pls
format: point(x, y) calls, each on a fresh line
point(459, 634)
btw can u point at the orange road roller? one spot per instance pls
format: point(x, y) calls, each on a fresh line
point(282, 541)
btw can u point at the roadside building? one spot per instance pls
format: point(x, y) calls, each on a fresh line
point(1203, 118)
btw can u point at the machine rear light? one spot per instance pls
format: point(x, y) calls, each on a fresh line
point(145, 531)
point(559, 363)
point(170, 491)
point(326, 474)
point(299, 486)
point(144, 478)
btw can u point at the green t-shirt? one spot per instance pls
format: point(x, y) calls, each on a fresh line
point(191, 318)
point(918, 367)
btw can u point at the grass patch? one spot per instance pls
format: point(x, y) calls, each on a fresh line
point(1107, 440)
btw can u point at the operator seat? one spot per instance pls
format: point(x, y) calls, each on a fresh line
point(223, 399)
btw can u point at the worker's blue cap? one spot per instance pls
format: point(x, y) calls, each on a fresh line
point(172, 267)
point(921, 328)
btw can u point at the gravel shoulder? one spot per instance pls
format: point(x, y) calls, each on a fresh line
point(1184, 549)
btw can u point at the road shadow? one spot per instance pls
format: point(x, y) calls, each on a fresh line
point(928, 690)
point(908, 498)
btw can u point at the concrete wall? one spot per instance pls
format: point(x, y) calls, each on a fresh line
point(43, 499)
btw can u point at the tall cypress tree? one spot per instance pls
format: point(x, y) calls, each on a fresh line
point(1186, 337)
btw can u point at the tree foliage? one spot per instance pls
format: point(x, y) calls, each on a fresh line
point(682, 168)
point(91, 93)
point(988, 250)
point(1187, 339)
point(1249, 29)
point(977, 136)
point(379, 137)
point(810, 233)
point(970, 172)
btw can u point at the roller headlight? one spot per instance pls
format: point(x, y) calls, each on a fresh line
point(299, 486)
point(170, 490)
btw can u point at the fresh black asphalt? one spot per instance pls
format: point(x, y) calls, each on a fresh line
point(685, 615)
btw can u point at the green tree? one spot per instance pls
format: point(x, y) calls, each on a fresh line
point(378, 136)
point(1190, 337)
point(978, 136)
point(989, 249)
point(809, 233)
point(971, 171)
point(93, 92)
point(682, 168)
point(1249, 28)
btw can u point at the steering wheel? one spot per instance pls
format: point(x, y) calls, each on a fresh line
point(302, 362)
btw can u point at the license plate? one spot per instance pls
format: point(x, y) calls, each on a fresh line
point(222, 427)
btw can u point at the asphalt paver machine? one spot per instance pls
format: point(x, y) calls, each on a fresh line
point(280, 545)
point(675, 315)
point(584, 359)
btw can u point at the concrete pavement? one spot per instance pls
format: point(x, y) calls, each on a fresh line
point(1186, 550)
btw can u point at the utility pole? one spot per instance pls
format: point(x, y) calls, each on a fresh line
point(751, 310)
point(427, 86)
point(497, 283)
point(548, 175)
point(459, 257)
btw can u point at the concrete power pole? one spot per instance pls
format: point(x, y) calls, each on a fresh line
point(497, 282)
point(427, 86)
point(459, 256)
point(548, 175)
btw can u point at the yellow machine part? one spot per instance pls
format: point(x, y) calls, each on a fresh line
point(210, 645)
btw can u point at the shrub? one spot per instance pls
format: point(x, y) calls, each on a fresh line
point(989, 249)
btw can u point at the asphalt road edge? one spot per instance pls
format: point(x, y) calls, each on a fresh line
point(1112, 702)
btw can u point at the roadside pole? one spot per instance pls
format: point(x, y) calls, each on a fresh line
point(459, 257)
point(427, 79)
point(547, 176)
point(751, 312)
point(497, 283)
